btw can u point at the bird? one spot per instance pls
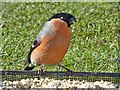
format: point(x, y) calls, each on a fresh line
point(52, 42)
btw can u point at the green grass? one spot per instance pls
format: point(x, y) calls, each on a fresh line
point(94, 40)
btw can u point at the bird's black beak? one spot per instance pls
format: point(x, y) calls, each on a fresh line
point(72, 20)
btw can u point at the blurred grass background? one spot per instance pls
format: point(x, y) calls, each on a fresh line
point(94, 40)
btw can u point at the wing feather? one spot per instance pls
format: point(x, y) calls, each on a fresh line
point(35, 44)
point(45, 30)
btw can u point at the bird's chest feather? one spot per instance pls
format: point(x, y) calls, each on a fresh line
point(61, 36)
point(53, 45)
point(58, 44)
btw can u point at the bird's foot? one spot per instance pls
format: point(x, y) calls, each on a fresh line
point(40, 72)
point(69, 72)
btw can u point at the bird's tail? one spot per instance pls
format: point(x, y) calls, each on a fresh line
point(29, 67)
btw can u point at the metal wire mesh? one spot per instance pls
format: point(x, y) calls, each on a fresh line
point(88, 76)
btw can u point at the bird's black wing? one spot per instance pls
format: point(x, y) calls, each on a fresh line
point(45, 30)
point(35, 44)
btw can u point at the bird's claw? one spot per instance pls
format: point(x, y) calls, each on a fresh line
point(69, 72)
point(40, 72)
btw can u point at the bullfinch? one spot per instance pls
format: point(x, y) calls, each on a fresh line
point(52, 42)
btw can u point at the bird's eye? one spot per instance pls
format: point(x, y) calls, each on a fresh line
point(61, 17)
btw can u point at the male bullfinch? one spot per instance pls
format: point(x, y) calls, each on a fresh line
point(52, 42)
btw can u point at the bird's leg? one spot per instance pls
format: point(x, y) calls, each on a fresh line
point(59, 68)
point(40, 70)
point(68, 70)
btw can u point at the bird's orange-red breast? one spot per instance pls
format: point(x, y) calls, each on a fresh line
point(52, 42)
point(53, 45)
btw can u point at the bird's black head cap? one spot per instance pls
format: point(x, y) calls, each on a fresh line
point(68, 18)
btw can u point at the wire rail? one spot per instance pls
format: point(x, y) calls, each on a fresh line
point(89, 76)
point(58, 73)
